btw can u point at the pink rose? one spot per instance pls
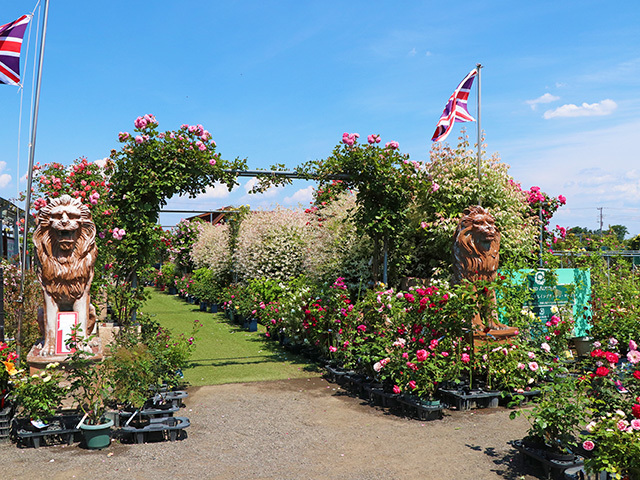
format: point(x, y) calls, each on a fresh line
point(588, 445)
point(633, 356)
point(533, 366)
point(422, 355)
point(396, 389)
point(333, 349)
point(412, 385)
point(465, 358)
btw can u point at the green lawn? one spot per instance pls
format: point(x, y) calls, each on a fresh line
point(225, 352)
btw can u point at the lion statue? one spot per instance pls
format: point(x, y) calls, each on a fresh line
point(66, 252)
point(476, 246)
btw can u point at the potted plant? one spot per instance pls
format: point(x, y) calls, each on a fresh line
point(91, 388)
point(133, 370)
point(612, 440)
point(40, 395)
point(558, 417)
point(612, 445)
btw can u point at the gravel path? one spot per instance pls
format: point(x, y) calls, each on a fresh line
point(293, 430)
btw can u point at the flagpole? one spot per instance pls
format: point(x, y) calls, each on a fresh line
point(32, 148)
point(479, 67)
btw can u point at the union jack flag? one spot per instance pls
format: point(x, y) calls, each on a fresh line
point(456, 108)
point(10, 43)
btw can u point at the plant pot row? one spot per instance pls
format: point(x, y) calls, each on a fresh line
point(553, 463)
point(155, 422)
point(375, 394)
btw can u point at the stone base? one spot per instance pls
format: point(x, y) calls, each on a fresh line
point(37, 362)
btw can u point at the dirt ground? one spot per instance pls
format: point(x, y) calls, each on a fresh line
point(293, 430)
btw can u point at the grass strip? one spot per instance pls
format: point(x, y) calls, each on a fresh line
point(225, 352)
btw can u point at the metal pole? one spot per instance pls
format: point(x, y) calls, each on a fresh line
point(32, 148)
point(479, 67)
point(541, 235)
point(1, 305)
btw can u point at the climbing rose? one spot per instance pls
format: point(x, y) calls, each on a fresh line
point(602, 371)
point(422, 355)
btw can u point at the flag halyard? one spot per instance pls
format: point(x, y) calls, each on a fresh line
point(11, 35)
point(456, 108)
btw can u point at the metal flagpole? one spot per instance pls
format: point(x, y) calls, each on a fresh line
point(478, 120)
point(32, 148)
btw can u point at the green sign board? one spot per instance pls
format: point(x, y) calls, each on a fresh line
point(570, 287)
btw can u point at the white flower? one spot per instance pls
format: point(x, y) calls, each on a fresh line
point(554, 309)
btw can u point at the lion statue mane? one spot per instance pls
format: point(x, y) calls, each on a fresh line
point(66, 252)
point(476, 255)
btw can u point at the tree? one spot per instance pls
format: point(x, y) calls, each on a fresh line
point(619, 231)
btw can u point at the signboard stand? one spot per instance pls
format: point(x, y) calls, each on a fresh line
point(64, 326)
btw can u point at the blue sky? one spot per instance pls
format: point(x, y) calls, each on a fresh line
point(280, 81)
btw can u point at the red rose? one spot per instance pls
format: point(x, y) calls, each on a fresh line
point(597, 353)
point(612, 357)
point(636, 410)
point(636, 374)
point(602, 371)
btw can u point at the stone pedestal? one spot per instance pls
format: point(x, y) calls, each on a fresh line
point(37, 362)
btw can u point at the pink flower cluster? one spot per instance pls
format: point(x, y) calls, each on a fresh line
point(349, 138)
point(118, 233)
point(393, 145)
point(373, 139)
point(142, 122)
point(39, 203)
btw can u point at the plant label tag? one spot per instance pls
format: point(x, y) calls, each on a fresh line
point(65, 323)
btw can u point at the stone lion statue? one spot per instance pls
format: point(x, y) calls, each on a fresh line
point(66, 253)
point(476, 255)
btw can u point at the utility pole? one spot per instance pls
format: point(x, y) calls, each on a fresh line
point(600, 218)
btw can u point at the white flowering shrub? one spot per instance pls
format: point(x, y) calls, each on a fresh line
point(336, 249)
point(212, 249)
point(272, 244)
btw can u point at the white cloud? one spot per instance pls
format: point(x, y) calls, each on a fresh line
point(250, 184)
point(428, 54)
point(605, 107)
point(546, 98)
point(216, 191)
point(412, 53)
point(5, 179)
point(304, 196)
point(269, 193)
